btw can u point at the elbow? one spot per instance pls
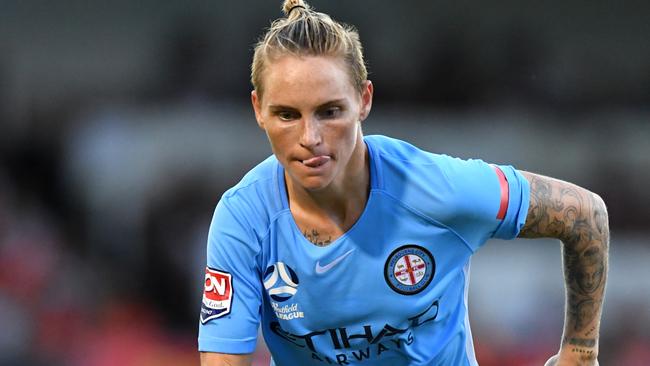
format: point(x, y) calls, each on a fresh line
point(600, 216)
point(591, 225)
point(598, 202)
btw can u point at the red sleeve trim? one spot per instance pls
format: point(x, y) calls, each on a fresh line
point(505, 193)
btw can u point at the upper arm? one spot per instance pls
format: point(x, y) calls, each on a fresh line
point(224, 359)
point(563, 210)
point(485, 201)
point(232, 297)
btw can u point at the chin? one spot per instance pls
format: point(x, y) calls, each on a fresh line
point(314, 184)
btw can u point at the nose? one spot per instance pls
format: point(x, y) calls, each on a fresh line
point(311, 133)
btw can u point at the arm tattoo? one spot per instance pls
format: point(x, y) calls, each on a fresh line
point(579, 219)
point(316, 239)
point(584, 342)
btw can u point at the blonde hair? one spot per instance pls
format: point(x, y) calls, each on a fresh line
point(305, 32)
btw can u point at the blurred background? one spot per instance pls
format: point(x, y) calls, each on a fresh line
point(122, 123)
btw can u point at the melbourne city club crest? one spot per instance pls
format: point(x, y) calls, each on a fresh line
point(409, 269)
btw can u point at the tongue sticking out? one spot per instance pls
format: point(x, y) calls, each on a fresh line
point(316, 161)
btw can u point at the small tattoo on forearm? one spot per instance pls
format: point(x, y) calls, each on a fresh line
point(583, 313)
point(585, 354)
point(589, 274)
point(582, 342)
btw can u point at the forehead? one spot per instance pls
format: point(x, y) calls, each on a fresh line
point(297, 80)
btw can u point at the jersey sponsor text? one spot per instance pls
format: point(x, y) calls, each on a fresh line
point(360, 342)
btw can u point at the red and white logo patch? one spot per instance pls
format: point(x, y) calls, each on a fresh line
point(217, 294)
point(409, 269)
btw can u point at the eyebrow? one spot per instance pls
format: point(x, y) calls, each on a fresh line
point(324, 105)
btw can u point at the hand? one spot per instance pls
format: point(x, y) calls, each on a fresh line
point(557, 361)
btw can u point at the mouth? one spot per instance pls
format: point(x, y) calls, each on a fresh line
point(316, 161)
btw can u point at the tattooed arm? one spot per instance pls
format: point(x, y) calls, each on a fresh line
point(579, 219)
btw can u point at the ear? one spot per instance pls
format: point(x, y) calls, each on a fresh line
point(366, 100)
point(257, 107)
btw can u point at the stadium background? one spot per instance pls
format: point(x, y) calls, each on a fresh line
point(122, 122)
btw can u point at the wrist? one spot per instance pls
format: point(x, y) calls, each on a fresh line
point(578, 354)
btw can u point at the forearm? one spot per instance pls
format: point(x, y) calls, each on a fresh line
point(585, 258)
point(223, 359)
point(579, 219)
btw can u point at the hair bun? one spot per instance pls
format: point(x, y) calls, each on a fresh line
point(290, 5)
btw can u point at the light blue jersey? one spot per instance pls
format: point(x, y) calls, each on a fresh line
point(391, 291)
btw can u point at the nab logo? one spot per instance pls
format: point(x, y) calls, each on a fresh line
point(281, 281)
point(217, 294)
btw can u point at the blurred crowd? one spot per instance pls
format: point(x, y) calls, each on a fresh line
point(110, 171)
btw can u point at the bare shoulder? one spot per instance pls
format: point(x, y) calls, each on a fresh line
point(223, 359)
point(563, 210)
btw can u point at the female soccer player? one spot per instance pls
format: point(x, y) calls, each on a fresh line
point(353, 250)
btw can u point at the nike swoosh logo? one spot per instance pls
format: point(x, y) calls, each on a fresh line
point(322, 269)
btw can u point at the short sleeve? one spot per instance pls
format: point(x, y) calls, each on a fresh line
point(230, 308)
point(514, 201)
point(491, 201)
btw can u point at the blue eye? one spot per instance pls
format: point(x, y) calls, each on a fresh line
point(332, 112)
point(286, 115)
